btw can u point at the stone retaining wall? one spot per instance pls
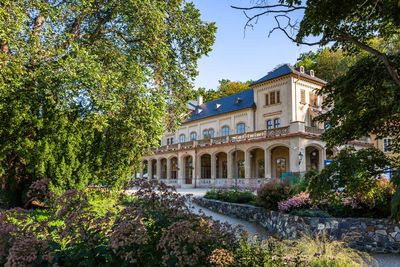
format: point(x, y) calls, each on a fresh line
point(372, 235)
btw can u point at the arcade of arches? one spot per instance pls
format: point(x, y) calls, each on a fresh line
point(253, 162)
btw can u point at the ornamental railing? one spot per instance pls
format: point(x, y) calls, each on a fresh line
point(249, 136)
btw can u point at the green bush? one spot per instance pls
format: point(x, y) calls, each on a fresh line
point(353, 172)
point(269, 194)
point(310, 213)
point(232, 196)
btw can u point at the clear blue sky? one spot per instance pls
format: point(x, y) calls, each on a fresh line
point(239, 55)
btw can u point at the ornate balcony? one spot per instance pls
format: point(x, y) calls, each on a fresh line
point(249, 136)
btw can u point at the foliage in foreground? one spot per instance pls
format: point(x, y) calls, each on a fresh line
point(153, 229)
point(86, 86)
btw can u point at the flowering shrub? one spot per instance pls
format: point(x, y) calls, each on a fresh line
point(301, 200)
point(271, 193)
point(155, 229)
point(188, 243)
point(221, 258)
point(374, 203)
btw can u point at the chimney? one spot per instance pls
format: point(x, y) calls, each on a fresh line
point(200, 100)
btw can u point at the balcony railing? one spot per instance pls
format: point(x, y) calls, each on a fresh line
point(249, 136)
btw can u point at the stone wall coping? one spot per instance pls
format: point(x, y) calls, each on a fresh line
point(367, 219)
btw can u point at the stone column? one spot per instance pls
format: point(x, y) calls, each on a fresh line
point(194, 170)
point(158, 175)
point(322, 158)
point(229, 165)
point(213, 169)
point(197, 167)
point(247, 165)
point(267, 164)
point(181, 169)
point(213, 166)
point(168, 168)
point(150, 169)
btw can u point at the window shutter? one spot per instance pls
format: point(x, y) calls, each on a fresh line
point(266, 100)
point(278, 97)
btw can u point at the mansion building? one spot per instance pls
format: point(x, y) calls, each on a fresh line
point(249, 137)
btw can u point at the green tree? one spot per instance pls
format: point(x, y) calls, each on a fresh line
point(85, 86)
point(352, 171)
point(226, 87)
point(365, 100)
point(328, 64)
point(348, 24)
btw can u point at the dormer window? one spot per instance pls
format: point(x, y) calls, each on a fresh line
point(217, 106)
point(238, 100)
point(301, 69)
point(199, 110)
point(312, 74)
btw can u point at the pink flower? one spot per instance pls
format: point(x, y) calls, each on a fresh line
point(301, 200)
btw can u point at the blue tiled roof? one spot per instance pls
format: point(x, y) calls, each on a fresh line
point(226, 104)
point(283, 70)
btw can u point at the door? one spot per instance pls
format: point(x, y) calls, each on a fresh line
point(280, 167)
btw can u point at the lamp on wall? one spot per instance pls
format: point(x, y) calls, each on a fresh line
point(301, 156)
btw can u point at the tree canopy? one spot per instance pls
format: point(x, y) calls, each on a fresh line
point(85, 86)
point(226, 87)
point(328, 64)
point(348, 24)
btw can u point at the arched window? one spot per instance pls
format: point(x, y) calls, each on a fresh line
point(225, 131)
point(211, 132)
point(208, 133)
point(182, 138)
point(193, 136)
point(205, 133)
point(241, 128)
